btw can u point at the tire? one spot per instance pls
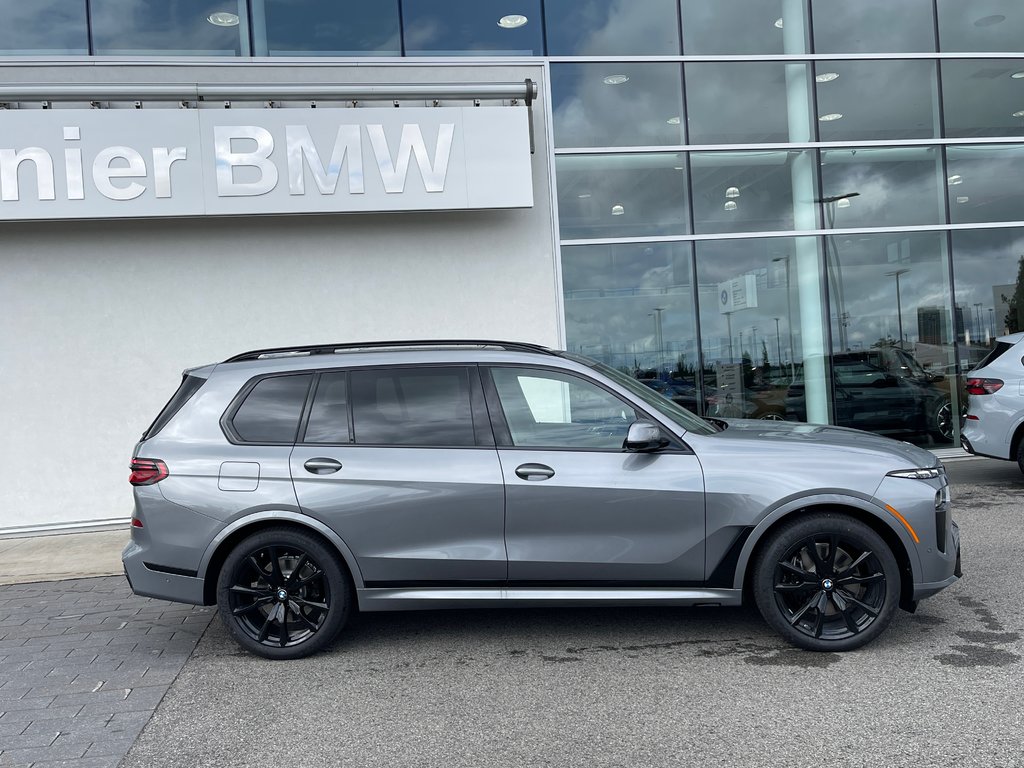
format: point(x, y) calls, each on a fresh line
point(1020, 455)
point(827, 582)
point(283, 594)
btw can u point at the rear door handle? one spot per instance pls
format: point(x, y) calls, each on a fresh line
point(534, 471)
point(322, 466)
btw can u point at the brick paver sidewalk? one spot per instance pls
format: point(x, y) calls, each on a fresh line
point(83, 665)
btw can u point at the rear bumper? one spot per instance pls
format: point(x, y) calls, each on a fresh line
point(147, 582)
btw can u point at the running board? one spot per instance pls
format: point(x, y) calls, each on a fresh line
point(425, 598)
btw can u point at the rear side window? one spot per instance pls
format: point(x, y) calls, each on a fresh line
point(998, 351)
point(412, 406)
point(188, 387)
point(270, 412)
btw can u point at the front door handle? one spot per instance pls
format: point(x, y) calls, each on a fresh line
point(322, 466)
point(534, 471)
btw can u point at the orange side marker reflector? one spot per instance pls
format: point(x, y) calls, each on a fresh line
point(906, 525)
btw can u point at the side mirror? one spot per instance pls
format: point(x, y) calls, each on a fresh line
point(644, 437)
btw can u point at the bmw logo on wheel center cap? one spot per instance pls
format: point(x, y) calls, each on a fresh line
point(827, 584)
point(282, 595)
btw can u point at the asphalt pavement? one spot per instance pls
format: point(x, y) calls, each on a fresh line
point(558, 687)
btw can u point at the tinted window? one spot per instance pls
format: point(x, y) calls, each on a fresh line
point(172, 27)
point(43, 27)
point(421, 406)
point(328, 419)
point(471, 28)
point(1000, 348)
point(270, 412)
point(552, 410)
point(330, 27)
point(189, 386)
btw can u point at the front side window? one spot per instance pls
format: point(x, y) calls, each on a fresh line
point(270, 412)
point(545, 409)
point(413, 406)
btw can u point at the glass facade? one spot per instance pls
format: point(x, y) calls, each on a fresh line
point(799, 209)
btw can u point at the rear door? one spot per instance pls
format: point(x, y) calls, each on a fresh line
point(579, 509)
point(400, 461)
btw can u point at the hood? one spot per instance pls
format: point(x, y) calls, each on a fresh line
point(795, 436)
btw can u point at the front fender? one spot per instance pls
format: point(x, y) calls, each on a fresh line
point(820, 502)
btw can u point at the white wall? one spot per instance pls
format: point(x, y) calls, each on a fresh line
point(99, 318)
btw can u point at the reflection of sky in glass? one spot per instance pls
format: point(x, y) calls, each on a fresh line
point(743, 191)
point(332, 27)
point(980, 97)
point(621, 195)
point(873, 26)
point(878, 100)
point(736, 102)
point(412, 408)
point(864, 296)
point(644, 110)
point(988, 183)
point(980, 25)
point(896, 187)
point(622, 300)
point(168, 27)
point(611, 27)
point(271, 410)
point(738, 26)
point(65, 30)
point(457, 27)
point(985, 264)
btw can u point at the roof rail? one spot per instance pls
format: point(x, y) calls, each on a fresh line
point(330, 349)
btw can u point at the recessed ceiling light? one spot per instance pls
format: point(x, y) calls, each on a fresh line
point(677, 167)
point(844, 203)
point(830, 117)
point(512, 21)
point(826, 77)
point(674, 120)
point(1018, 75)
point(955, 179)
point(962, 199)
point(778, 23)
point(223, 19)
point(584, 196)
point(732, 192)
point(616, 79)
point(730, 205)
point(618, 210)
point(988, 21)
point(1018, 113)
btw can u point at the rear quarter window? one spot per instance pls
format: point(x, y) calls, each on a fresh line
point(188, 387)
point(271, 410)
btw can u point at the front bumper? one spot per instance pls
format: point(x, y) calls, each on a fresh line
point(950, 564)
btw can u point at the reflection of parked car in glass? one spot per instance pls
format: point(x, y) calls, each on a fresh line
point(758, 401)
point(681, 392)
point(934, 387)
point(995, 414)
point(868, 398)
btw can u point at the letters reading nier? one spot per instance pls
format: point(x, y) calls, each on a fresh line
point(118, 172)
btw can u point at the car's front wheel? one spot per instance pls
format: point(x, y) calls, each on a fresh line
point(282, 594)
point(827, 582)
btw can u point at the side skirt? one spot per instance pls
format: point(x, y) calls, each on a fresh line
point(427, 598)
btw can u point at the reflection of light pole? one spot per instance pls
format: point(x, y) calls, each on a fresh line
point(977, 312)
point(659, 340)
point(835, 276)
point(778, 342)
point(789, 314)
point(991, 320)
point(899, 305)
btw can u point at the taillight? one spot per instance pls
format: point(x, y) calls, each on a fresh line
point(147, 471)
point(983, 386)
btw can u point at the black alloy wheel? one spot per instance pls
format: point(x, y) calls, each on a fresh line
point(827, 583)
point(282, 594)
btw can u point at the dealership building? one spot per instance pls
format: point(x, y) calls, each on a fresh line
point(800, 209)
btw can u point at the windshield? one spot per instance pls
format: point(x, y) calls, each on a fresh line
point(688, 421)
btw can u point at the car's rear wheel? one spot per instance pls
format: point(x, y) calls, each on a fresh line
point(1020, 455)
point(283, 594)
point(827, 582)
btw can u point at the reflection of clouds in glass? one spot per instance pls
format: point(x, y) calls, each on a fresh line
point(611, 28)
point(736, 102)
point(896, 186)
point(738, 26)
point(976, 94)
point(43, 26)
point(870, 26)
point(765, 184)
point(173, 26)
point(878, 100)
point(958, 32)
point(589, 112)
point(990, 180)
point(461, 26)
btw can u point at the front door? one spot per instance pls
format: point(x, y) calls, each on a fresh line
point(578, 508)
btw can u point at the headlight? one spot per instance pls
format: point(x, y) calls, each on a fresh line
point(918, 474)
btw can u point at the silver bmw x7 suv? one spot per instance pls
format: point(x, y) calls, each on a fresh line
point(292, 486)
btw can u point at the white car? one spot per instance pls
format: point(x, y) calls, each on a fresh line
point(995, 411)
